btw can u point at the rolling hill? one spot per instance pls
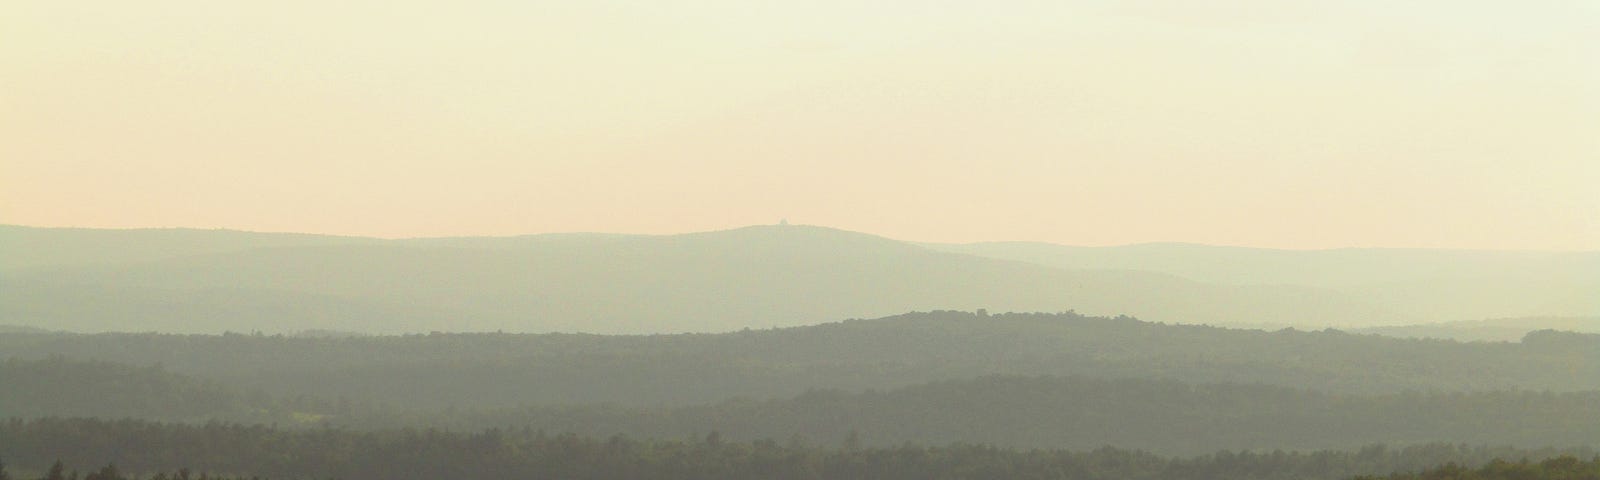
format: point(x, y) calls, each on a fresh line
point(490, 370)
point(1418, 285)
point(1081, 413)
point(1491, 330)
point(1166, 417)
point(754, 277)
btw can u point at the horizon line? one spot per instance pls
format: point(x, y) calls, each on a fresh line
point(1178, 243)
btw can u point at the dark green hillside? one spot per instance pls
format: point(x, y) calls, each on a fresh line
point(1560, 468)
point(1077, 413)
point(60, 387)
point(1033, 412)
point(506, 370)
point(141, 448)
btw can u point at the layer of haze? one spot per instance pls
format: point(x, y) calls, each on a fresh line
point(1247, 122)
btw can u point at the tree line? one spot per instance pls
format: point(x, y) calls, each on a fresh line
point(147, 448)
point(1565, 467)
point(492, 370)
point(59, 471)
point(1165, 416)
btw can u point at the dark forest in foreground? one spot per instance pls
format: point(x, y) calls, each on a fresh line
point(840, 400)
point(1560, 468)
point(143, 448)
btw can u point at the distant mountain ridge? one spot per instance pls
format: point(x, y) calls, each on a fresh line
point(1492, 330)
point(1340, 267)
point(24, 248)
point(753, 277)
point(1413, 285)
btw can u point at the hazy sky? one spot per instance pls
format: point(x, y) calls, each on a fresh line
point(1471, 124)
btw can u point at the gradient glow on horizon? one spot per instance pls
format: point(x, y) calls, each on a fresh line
point(1469, 124)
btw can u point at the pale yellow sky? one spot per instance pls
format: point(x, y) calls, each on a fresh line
point(1461, 124)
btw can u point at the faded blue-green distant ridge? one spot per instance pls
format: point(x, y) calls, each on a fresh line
point(215, 280)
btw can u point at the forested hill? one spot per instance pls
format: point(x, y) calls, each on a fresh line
point(213, 281)
point(1166, 417)
point(60, 387)
point(143, 447)
point(505, 370)
point(1028, 412)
